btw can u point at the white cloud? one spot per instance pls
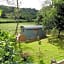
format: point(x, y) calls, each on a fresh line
point(24, 3)
point(31, 4)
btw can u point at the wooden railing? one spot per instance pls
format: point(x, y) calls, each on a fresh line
point(53, 61)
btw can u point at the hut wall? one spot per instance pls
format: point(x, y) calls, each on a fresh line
point(31, 33)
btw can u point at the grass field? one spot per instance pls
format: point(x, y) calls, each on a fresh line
point(12, 26)
point(47, 51)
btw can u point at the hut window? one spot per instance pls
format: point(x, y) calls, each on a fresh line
point(35, 30)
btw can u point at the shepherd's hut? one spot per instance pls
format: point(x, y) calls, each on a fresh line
point(31, 33)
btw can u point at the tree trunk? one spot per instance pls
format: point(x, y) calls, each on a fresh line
point(59, 34)
point(17, 18)
point(16, 31)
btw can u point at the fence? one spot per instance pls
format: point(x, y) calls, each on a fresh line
point(53, 61)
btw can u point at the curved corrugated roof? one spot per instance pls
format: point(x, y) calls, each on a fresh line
point(31, 26)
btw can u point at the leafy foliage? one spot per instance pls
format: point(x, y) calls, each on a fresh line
point(6, 36)
point(48, 14)
point(23, 13)
point(0, 12)
point(10, 52)
point(59, 20)
point(53, 15)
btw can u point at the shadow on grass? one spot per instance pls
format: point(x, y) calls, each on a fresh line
point(41, 62)
point(59, 42)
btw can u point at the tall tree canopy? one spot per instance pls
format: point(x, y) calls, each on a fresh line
point(59, 18)
point(53, 15)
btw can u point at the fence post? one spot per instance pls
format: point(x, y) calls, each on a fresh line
point(53, 61)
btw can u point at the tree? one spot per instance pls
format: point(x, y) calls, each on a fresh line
point(3, 15)
point(17, 18)
point(27, 14)
point(48, 13)
point(59, 18)
point(17, 13)
point(0, 12)
point(39, 19)
point(53, 15)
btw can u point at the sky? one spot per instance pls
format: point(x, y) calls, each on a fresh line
point(37, 4)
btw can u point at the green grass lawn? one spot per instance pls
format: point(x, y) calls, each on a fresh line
point(48, 51)
point(12, 26)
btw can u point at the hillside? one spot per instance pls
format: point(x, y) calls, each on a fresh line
point(23, 13)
